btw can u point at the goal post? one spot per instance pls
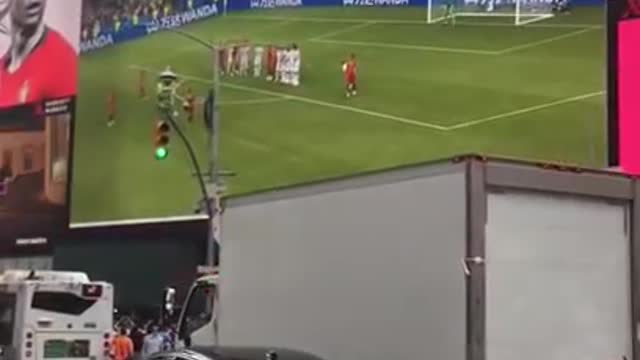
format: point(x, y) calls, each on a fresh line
point(519, 12)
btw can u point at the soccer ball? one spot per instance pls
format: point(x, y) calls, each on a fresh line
point(344, 67)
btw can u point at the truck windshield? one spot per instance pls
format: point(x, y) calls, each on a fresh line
point(7, 316)
point(199, 311)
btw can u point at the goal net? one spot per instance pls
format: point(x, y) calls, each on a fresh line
point(520, 12)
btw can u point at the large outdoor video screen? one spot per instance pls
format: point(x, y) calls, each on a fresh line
point(39, 47)
point(79, 85)
point(624, 84)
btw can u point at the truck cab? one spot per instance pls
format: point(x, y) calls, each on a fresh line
point(198, 317)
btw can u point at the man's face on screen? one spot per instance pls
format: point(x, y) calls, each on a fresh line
point(4, 8)
point(27, 13)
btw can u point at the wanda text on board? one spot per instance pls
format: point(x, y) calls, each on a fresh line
point(167, 22)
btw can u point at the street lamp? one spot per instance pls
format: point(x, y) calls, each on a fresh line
point(214, 187)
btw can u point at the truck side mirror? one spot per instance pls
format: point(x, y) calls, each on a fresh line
point(168, 302)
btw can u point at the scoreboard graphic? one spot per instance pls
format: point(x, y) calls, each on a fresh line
point(623, 37)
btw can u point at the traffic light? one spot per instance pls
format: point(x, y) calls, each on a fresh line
point(161, 140)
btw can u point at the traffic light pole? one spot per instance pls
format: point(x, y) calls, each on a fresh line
point(212, 194)
point(192, 156)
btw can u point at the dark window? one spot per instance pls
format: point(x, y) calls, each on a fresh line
point(59, 302)
point(58, 349)
point(7, 317)
point(199, 310)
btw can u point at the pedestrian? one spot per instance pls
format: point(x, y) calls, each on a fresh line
point(137, 336)
point(122, 346)
point(169, 338)
point(153, 342)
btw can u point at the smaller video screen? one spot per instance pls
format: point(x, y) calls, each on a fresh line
point(34, 167)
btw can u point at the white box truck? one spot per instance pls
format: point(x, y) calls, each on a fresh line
point(469, 258)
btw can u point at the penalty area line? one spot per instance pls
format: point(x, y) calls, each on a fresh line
point(543, 41)
point(307, 100)
point(525, 110)
point(406, 47)
point(253, 101)
point(342, 31)
point(338, 106)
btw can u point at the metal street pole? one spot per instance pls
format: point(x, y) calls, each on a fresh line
point(214, 168)
point(214, 185)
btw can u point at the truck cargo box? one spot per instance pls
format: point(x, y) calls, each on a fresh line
point(469, 258)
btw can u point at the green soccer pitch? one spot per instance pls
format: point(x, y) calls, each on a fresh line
point(426, 91)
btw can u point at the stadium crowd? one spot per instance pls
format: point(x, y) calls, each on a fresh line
point(111, 16)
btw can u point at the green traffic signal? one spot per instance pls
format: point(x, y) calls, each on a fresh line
point(162, 140)
point(161, 153)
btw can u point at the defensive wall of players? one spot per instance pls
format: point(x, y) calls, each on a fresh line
point(207, 10)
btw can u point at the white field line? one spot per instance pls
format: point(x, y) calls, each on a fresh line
point(276, 25)
point(343, 30)
point(393, 117)
point(524, 110)
point(414, 22)
point(450, 50)
point(307, 100)
point(252, 144)
point(264, 100)
point(543, 41)
point(253, 101)
point(338, 107)
point(264, 148)
point(407, 47)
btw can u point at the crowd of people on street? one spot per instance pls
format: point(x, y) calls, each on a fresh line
point(139, 341)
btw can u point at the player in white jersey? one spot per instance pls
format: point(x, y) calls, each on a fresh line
point(258, 53)
point(290, 65)
point(243, 59)
point(288, 70)
point(229, 63)
point(295, 65)
point(286, 66)
point(280, 65)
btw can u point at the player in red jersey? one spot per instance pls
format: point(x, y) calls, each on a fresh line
point(235, 56)
point(272, 62)
point(189, 104)
point(222, 60)
point(40, 64)
point(350, 69)
point(111, 109)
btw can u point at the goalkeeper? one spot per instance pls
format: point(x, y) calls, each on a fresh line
point(166, 92)
point(449, 12)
